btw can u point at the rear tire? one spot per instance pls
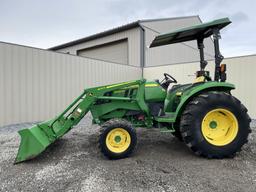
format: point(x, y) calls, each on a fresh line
point(215, 125)
point(118, 139)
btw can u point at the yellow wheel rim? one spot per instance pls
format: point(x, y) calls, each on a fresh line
point(118, 140)
point(219, 127)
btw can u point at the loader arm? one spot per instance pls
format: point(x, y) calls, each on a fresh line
point(36, 139)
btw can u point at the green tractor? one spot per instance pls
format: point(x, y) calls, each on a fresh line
point(203, 114)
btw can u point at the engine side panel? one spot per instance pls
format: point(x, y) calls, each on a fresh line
point(154, 92)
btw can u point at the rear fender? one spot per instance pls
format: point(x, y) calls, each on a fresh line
point(195, 90)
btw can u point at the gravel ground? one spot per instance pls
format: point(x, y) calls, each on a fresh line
point(160, 163)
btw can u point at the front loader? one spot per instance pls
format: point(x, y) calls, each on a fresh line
point(203, 114)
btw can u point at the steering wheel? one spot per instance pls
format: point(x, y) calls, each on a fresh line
point(169, 78)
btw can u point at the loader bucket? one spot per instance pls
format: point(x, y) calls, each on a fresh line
point(34, 140)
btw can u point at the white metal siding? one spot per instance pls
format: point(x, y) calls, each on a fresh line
point(116, 52)
point(36, 84)
point(133, 36)
point(240, 71)
point(175, 53)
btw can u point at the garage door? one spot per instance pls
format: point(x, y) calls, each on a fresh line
point(116, 52)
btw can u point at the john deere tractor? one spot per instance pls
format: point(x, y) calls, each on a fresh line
point(203, 114)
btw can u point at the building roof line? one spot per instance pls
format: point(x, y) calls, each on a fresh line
point(168, 18)
point(114, 30)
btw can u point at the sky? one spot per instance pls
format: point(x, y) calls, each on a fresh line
point(46, 23)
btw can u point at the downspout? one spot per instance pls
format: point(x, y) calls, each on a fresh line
point(142, 49)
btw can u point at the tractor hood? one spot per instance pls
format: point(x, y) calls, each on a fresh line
point(203, 30)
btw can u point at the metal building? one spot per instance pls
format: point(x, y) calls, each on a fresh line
point(128, 44)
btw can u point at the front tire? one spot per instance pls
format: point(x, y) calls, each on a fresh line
point(215, 125)
point(118, 139)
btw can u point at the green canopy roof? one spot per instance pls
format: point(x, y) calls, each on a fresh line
point(203, 30)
